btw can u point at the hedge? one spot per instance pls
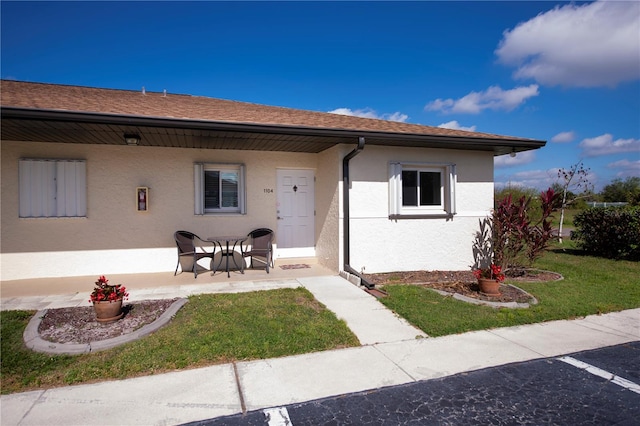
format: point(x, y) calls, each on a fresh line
point(611, 232)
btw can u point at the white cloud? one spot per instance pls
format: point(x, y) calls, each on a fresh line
point(564, 137)
point(539, 179)
point(493, 98)
point(370, 113)
point(454, 125)
point(507, 160)
point(396, 116)
point(589, 45)
point(605, 145)
point(625, 168)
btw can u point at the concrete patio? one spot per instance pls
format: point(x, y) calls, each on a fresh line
point(285, 269)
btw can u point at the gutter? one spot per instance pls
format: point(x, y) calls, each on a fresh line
point(345, 196)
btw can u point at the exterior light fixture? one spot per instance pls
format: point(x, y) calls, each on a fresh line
point(513, 153)
point(132, 139)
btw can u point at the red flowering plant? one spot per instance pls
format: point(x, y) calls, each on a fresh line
point(493, 272)
point(105, 292)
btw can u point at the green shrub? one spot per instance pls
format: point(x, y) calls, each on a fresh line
point(611, 232)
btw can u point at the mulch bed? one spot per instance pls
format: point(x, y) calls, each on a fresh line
point(79, 325)
point(464, 283)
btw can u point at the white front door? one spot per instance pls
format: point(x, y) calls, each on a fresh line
point(296, 213)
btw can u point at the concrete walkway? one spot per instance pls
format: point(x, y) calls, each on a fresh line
point(393, 353)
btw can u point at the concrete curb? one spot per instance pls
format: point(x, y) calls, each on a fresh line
point(354, 279)
point(34, 342)
point(509, 305)
point(560, 276)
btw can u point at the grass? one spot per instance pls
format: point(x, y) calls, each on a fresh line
point(569, 215)
point(591, 286)
point(210, 329)
point(213, 329)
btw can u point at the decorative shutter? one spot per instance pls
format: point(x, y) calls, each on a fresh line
point(395, 188)
point(198, 180)
point(452, 178)
point(242, 191)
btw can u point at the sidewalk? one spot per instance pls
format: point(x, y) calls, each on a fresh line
point(393, 353)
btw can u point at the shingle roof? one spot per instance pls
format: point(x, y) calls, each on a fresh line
point(212, 114)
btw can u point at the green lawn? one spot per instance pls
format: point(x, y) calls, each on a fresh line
point(591, 286)
point(569, 215)
point(210, 329)
point(214, 329)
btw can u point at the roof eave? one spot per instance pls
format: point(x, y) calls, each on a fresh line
point(499, 145)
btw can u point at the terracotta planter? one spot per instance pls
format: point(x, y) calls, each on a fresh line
point(489, 287)
point(108, 312)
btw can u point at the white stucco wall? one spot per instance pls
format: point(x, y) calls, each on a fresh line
point(328, 208)
point(114, 237)
point(380, 244)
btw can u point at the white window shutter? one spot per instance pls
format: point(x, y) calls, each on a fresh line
point(25, 183)
point(198, 179)
point(242, 200)
point(52, 188)
point(71, 192)
point(451, 196)
point(395, 188)
point(44, 189)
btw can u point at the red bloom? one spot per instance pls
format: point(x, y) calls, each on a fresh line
point(493, 272)
point(103, 291)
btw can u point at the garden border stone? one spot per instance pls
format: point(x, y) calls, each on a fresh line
point(510, 305)
point(34, 342)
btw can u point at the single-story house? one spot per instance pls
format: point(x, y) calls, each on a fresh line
point(96, 181)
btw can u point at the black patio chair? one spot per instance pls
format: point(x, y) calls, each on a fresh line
point(260, 242)
point(190, 250)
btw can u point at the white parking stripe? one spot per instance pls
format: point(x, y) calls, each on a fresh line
point(634, 387)
point(278, 416)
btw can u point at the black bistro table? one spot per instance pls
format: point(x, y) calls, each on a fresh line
point(225, 252)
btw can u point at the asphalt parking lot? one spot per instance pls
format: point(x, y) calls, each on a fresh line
point(600, 386)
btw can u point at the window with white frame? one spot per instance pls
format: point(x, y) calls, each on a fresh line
point(52, 188)
point(421, 189)
point(219, 188)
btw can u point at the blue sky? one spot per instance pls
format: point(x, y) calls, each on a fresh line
point(567, 73)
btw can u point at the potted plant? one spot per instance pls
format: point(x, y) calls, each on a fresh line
point(107, 300)
point(489, 279)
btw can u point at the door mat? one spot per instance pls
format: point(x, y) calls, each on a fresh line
point(295, 266)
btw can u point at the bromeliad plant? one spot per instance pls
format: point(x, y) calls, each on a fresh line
point(483, 254)
point(493, 272)
point(105, 292)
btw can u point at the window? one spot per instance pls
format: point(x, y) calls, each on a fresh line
point(52, 188)
point(421, 189)
point(219, 188)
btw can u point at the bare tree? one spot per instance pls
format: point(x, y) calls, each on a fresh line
point(576, 177)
